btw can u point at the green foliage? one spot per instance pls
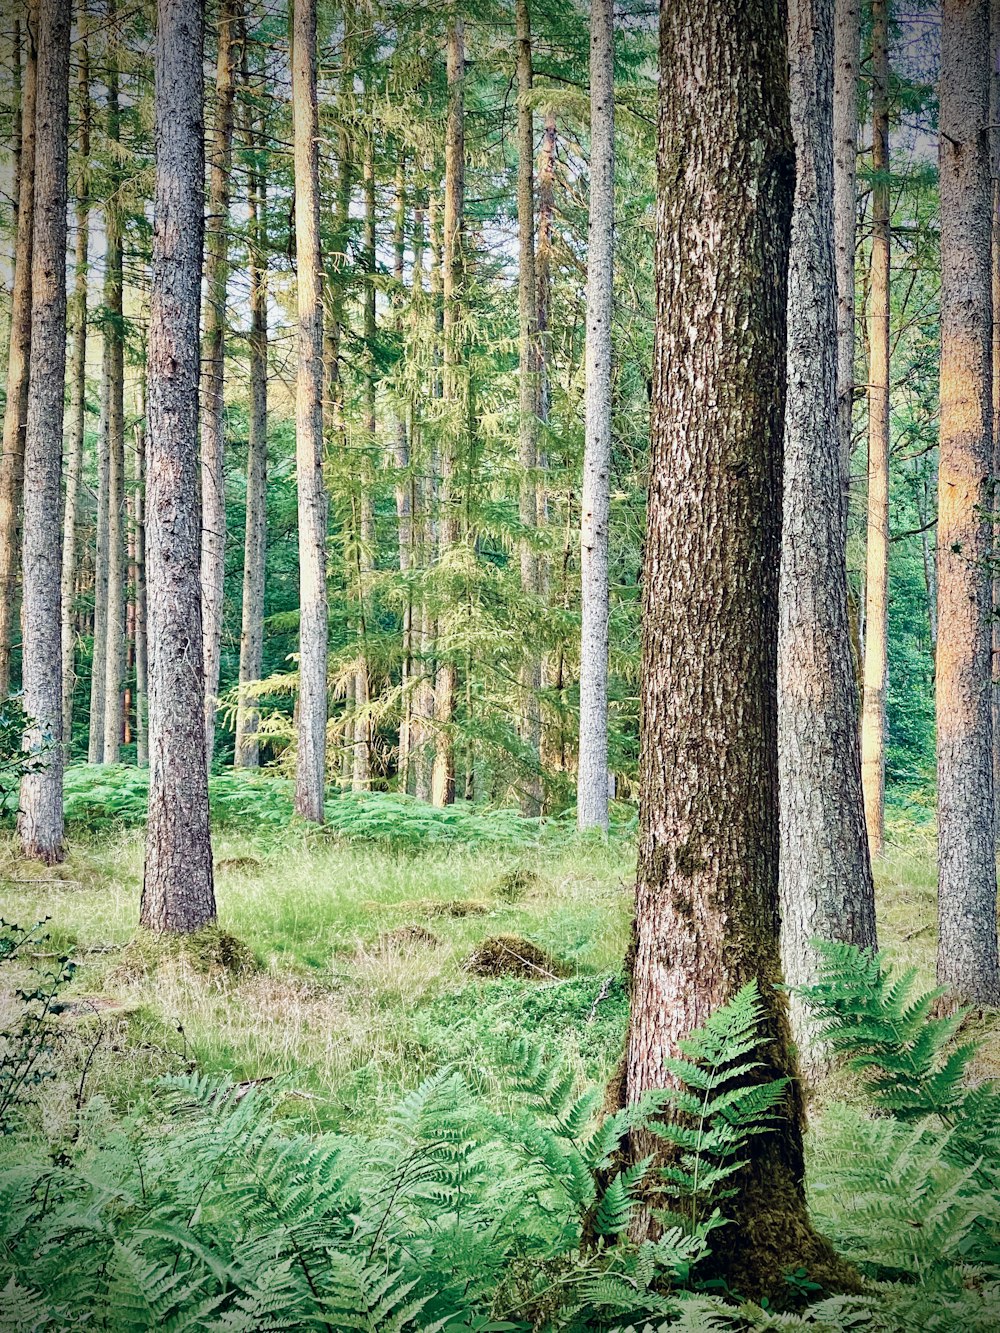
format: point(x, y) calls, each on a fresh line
point(15, 761)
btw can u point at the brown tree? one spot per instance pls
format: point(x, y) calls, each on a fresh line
point(873, 734)
point(310, 771)
point(707, 894)
point(40, 816)
point(18, 356)
point(826, 879)
point(178, 891)
point(967, 890)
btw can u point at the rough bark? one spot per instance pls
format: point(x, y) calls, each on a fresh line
point(528, 368)
point(995, 365)
point(213, 483)
point(707, 901)
point(178, 891)
point(311, 757)
point(825, 882)
point(846, 74)
point(446, 682)
point(247, 753)
point(18, 358)
point(365, 528)
point(592, 776)
point(40, 815)
point(139, 593)
point(967, 891)
point(873, 729)
point(78, 396)
point(114, 445)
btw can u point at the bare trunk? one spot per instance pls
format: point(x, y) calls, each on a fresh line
point(255, 541)
point(445, 687)
point(592, 777)
point(78, 399)
point(178, 891)
point(873, 733)
point(139, 594)
point(18, 358)
point(310, 774)
point(40, 815)
point(967, 891)
point(527, 296)
point(825, 882)
point(707, 901)
point(995, 284)
point(213, 483)
point(365, 548)
point(401, 458)
point(114, 427)
point(846, 73)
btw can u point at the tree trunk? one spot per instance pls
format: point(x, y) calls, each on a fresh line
point(592, 775)
point(995, 364)
point(78, 398)
point(846, 74)
point(255, 542)
point(18, 358)
point(528, 355)
point(825, 885)
point(452, 273)
point(178, 891)
point(707, 901)
point(404, 483)
point(114, 426)
point(311, 757)
point(365, 546)
point(139, 594)
point(967, 893)
point(873, 734)
point(213, 483)
point(40, 815)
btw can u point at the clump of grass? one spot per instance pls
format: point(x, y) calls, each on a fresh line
point(512, 956)
point(205, 951)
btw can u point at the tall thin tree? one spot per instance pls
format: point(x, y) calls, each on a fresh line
point(825, 883)
point(967, 883)
point(40, 815)
point(873, 719)
point(18, 356)
point(178, 890)
point(310, 771)
point(592, 779)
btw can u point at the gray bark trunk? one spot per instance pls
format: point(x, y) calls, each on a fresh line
point(592, 775)
point(310, 774)
point(40, 816)
point(967, 891)
point(213, 483)
point(78, 398)
point(178, 891)
point(531, 669)
point(18, 358)
point(255, 541)
point(825, 882)
point(846, 73)
point(139, 593)
point(114, 390)
point(445, 687)
point(873, 730)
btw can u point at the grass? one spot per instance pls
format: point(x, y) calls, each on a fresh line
point(359, 986)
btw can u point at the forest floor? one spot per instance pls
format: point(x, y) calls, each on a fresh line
point(350, 972)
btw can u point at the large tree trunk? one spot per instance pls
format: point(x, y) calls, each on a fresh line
point(873, 732)
point(967, 893)
point(40, 815)
point(255, 542)
point(846, 73)
point(452, 269)
point(213, 483)
point(18, 357)
point(178, 891)
point(592, 776)
point(528, 354)
point(114, 427)
point(310, 773)
point(78, 398)
point(826, 885)
point(995, 363)
point(707, 902)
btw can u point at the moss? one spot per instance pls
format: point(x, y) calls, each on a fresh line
point(405, 936)
point(516, 884)
point(511, 956)
point(205, 951)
